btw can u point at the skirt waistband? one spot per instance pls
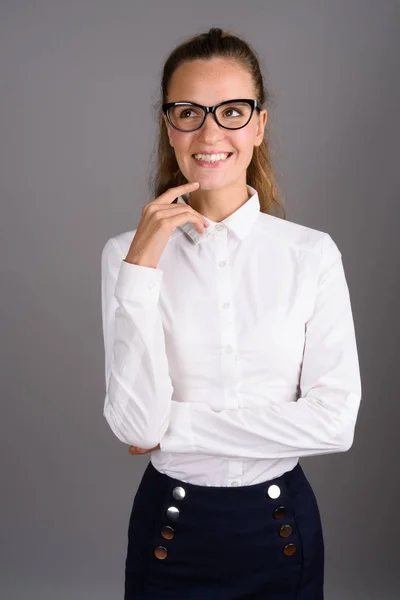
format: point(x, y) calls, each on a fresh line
point(286, 485)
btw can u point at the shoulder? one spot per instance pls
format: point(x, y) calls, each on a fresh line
point(298, 236)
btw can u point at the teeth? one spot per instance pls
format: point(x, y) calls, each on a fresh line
point(211, 157)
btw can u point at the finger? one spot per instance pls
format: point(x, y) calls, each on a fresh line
point(167, 212)
point(169, 195)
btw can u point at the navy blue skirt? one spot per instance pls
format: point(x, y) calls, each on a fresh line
point(253, 542)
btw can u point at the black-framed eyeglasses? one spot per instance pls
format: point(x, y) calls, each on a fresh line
point(230, 114)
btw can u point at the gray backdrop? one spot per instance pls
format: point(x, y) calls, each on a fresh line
point(78, 80)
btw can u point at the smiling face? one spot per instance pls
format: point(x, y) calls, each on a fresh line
point(209, 82)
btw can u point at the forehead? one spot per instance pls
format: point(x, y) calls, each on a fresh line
point(209, 82)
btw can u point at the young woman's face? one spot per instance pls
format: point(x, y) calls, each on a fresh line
point(208, 83)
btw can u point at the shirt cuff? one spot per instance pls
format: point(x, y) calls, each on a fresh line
point(138, 283)
point(179, 435)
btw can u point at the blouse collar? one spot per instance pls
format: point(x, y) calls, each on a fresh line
point(239, 222)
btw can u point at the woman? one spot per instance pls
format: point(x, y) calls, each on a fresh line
point(230, 349)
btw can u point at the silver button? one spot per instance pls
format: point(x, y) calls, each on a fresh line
point(274, 491)
point(172, 513)
point(222, 263)
point(226, 305)
point(178, 493)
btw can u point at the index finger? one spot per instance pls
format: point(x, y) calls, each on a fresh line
point(169, 195)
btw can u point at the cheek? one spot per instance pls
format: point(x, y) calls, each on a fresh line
point(244, 141)
point(243, 145)
point(180, 140)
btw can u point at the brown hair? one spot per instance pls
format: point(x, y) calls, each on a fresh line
point(260, 175)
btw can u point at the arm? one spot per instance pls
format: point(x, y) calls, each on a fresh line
point(321, 421)
point(138, 387)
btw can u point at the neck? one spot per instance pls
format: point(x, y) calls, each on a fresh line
point(218, 204)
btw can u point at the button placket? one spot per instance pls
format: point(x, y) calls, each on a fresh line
point(172, 513)
point(235, 473)
point(280, 512)
point(229, 365)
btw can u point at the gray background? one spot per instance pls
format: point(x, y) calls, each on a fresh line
point(78, 80)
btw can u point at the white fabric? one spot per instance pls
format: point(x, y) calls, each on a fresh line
point(237, 353)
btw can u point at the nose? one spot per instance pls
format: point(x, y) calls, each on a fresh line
point(210, 130)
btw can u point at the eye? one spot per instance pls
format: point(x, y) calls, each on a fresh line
point(230, 109)
point(183, 112)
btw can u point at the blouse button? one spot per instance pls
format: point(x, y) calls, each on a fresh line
point(152, 284)
point(222, 263)
point(226, 305)
point(219, 227)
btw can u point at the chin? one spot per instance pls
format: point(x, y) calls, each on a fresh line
point(209, 181)
point(211, 185)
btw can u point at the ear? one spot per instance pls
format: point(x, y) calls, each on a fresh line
point(262, 121)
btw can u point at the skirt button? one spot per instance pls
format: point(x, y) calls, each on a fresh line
point(167, 532)
point(280, 512)
point(285, 530)
point(289, 549)
point(172, 513)
point(274, 491)
point(160, 552)
point(178, 493)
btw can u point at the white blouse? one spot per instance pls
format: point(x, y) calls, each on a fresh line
point(237, 353)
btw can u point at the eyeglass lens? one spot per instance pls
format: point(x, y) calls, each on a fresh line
point(187, 117)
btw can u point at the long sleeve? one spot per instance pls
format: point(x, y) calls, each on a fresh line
point(323, 418)
point(138, 387)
